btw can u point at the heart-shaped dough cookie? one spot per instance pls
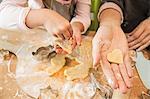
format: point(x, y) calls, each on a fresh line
point(115, 56)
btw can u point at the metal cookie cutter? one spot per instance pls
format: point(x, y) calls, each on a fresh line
point(45, 53)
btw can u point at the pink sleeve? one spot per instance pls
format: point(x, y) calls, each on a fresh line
point(111, 5)
point(13, 14)
point(82, 13)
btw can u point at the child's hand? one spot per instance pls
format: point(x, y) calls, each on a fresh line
point(58, 25)
point(51, 20)
point(77, 29)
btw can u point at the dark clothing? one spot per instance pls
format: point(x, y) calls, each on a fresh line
point(134, 12)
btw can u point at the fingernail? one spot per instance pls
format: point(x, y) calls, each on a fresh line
point(129, 84)
point(138, 50)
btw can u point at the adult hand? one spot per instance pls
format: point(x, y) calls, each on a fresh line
point(107, 38)
point(139, 38)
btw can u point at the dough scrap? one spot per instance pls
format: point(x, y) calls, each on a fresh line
point(57, 63)
point(66, 45)
point(115, 56)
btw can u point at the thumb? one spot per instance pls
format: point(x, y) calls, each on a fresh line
point(78, 38)
point(96, 47)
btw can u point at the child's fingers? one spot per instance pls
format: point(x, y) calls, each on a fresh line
point(59, 50)
point(78, 38)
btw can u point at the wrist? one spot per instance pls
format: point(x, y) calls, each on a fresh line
point(110, 17)
point(78, 26)
point(110, 22)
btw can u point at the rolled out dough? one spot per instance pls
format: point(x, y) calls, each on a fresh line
point(82, 54)
point(84, 58)
point(79, 71)
point(57, 63)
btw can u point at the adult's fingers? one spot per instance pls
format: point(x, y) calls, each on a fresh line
point(120, 81)
point(136, 33)
point(139, 39)
point(144, 46)
point(143, 42)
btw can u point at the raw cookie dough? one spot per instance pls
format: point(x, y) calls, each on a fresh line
point(83, 57)
point(57, 63)
point(66, 45)
point(115, 56)
point(79, 71)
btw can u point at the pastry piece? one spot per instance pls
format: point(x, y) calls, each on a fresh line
point(79, 71)
point(57, 63)
point(66, 45)
point(115, 56)
point(82, 55)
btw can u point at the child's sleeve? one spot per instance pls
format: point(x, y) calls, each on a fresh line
point(117, 5)
point(82, 13)
point(13, 13)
